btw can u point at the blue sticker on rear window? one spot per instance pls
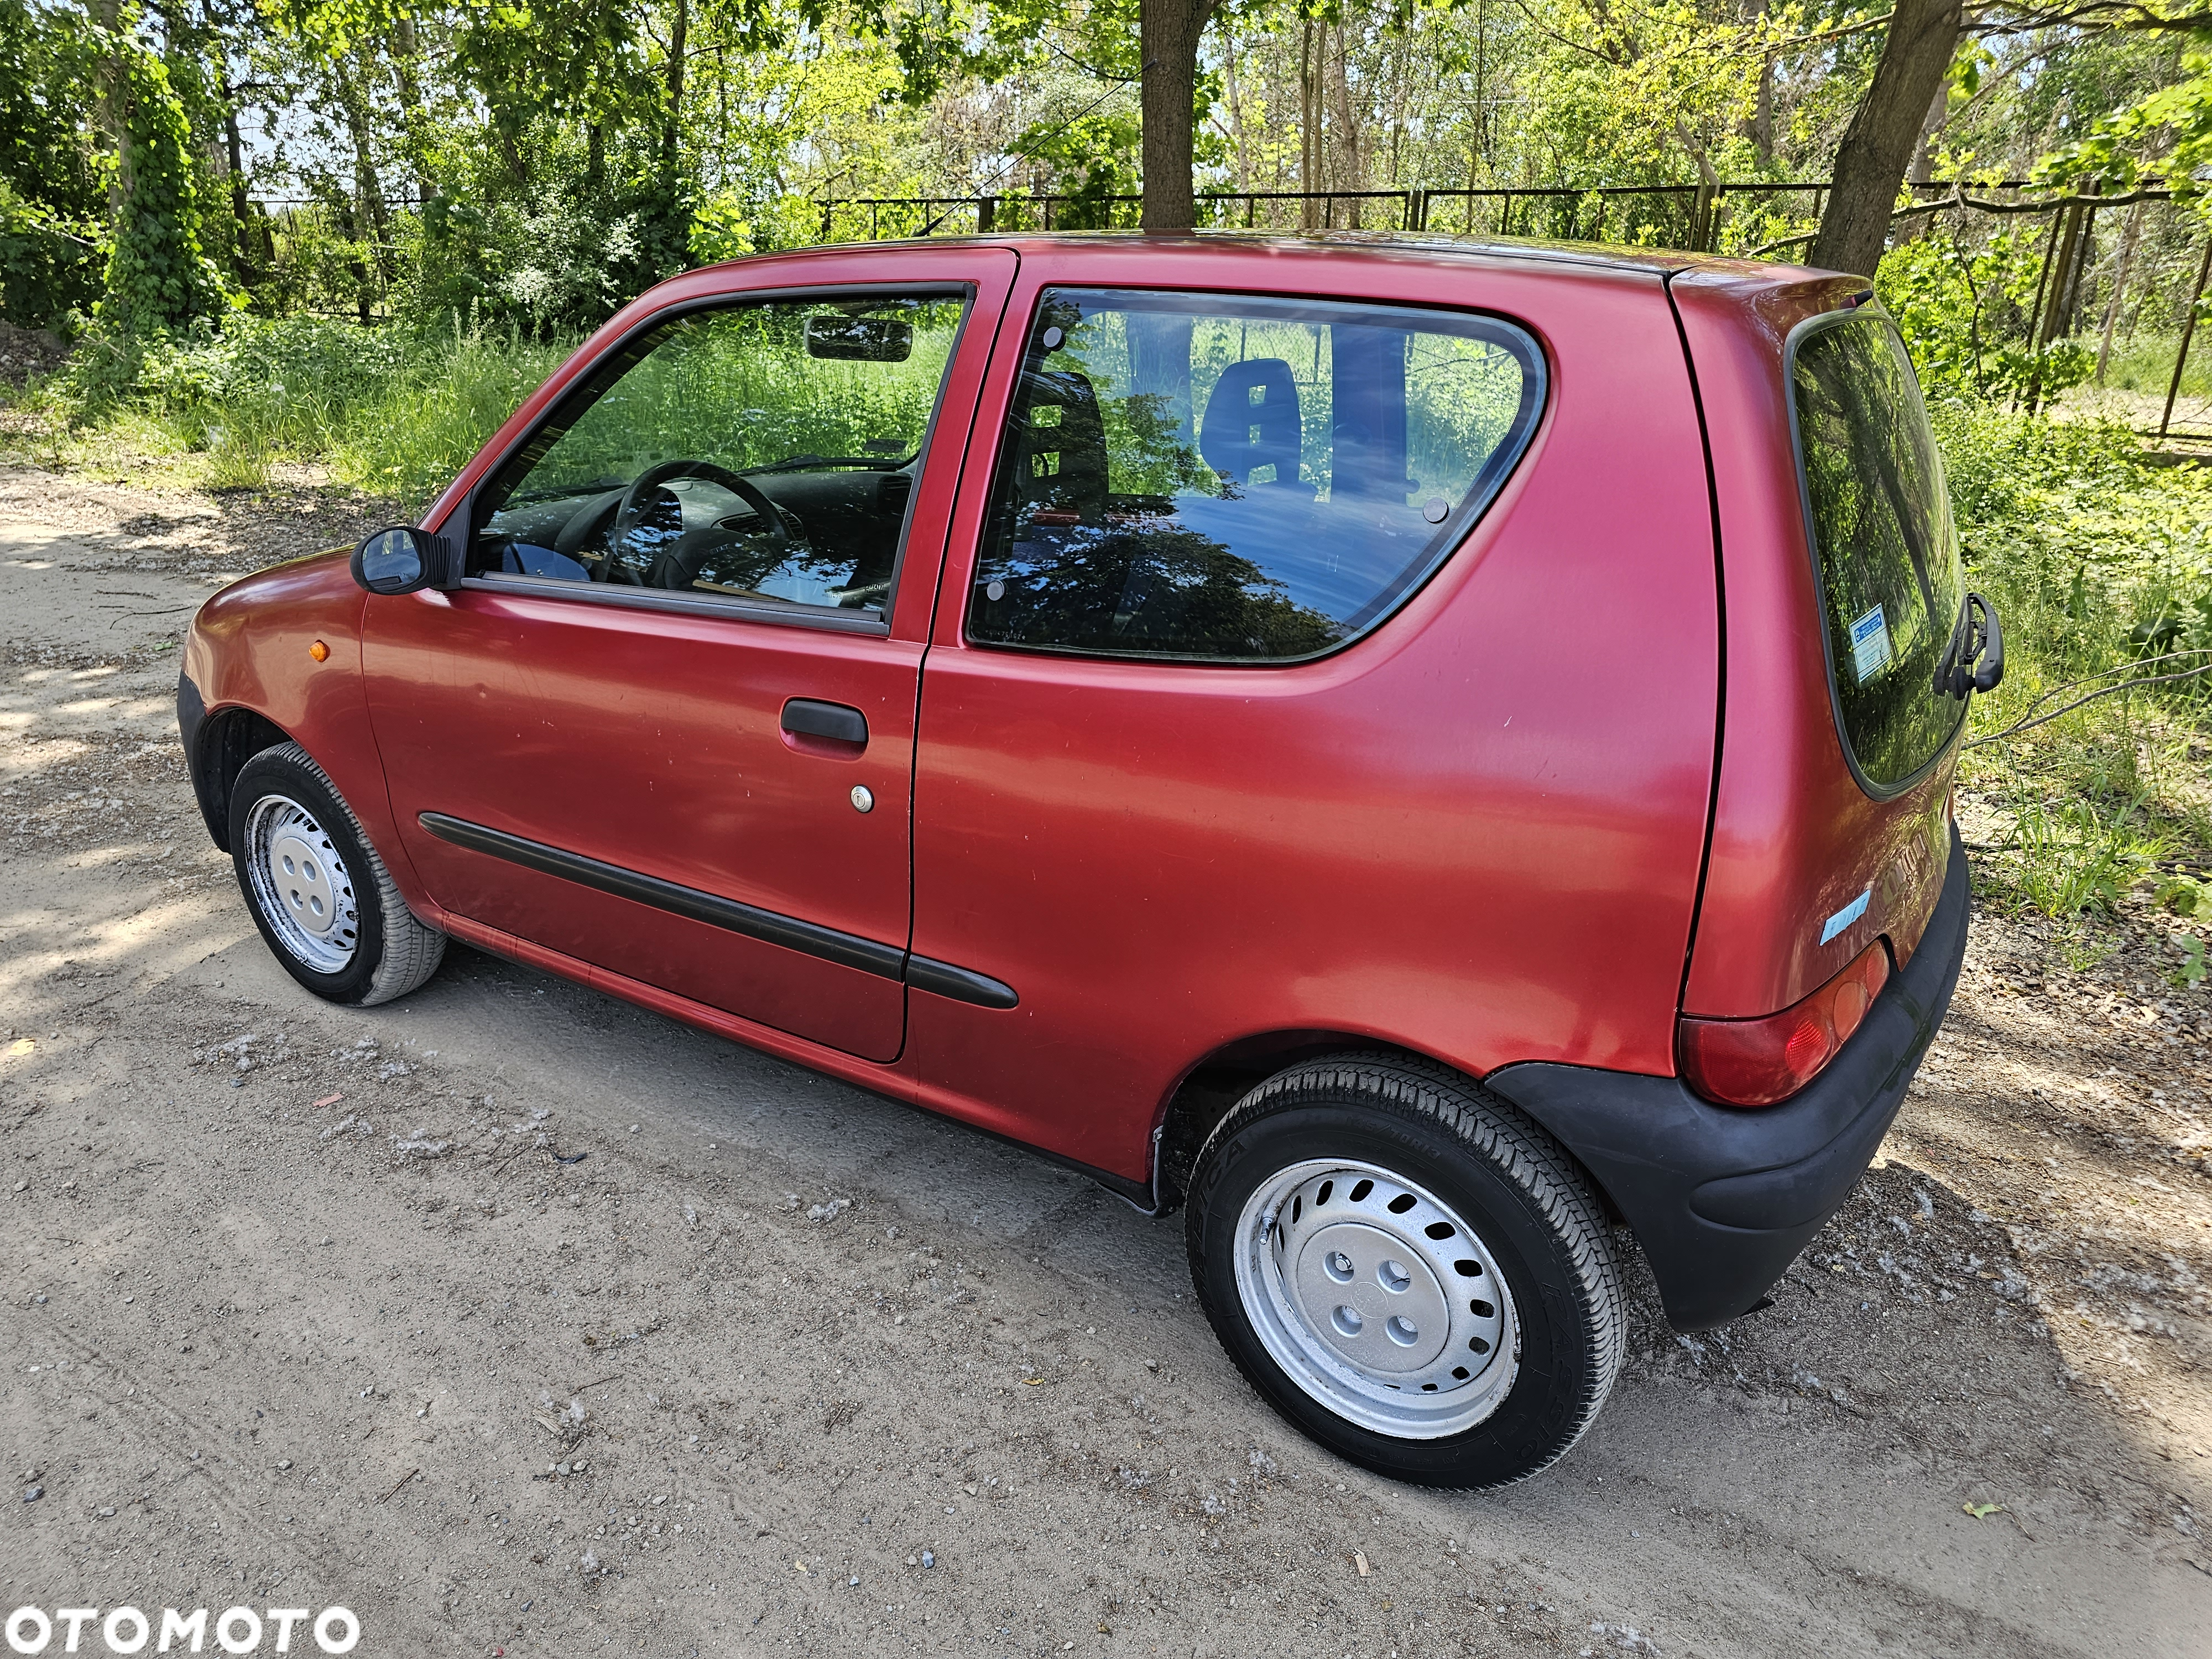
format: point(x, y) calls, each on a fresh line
point(1870, 650)
point(1844, 917)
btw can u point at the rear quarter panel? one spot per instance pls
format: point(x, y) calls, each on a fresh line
point(1476, 833)
point(1796, 839)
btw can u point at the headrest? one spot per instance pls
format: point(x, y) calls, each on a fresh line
point(1063, 463)
point(1252, 421)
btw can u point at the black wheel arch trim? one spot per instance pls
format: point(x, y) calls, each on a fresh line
point(1721, 1199)
point(812, 938)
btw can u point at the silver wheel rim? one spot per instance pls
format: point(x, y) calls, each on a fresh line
point(1377, 1298)
point(302, 885)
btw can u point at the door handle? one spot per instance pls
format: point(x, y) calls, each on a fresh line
point(804, 717)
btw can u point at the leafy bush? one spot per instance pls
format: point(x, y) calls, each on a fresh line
point(48, 268)
point(1966, 312)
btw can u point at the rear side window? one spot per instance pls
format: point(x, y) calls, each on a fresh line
point(1220, 478)
point(1880, 526)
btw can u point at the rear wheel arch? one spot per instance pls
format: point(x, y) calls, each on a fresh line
point(1210, 1089)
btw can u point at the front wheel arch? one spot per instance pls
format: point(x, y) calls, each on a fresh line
point(227, 739)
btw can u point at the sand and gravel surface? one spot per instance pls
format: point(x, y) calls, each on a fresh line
point(521, 1322)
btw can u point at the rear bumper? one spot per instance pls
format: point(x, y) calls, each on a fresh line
point(1721, 1199)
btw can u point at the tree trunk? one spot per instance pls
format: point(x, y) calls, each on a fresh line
point(114, 117)
point(243, 264)
point(1235, 113)
point(1308, 130)
point(1353, 168)
point(1168, 32)
point(1759, 127)
point(371, 226)
point(1878, 146)
point(679, 29)
point(403, 49)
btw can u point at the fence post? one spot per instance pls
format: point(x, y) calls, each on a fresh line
point(2188, 329)
point(828, 208)
point(987, 215)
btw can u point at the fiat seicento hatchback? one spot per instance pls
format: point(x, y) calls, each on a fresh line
point(1433, 759)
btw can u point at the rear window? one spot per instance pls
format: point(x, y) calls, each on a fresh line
point(1222, 478)
point(1882, 540)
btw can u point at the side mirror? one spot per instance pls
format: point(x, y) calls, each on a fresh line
point(860, 339)
point(396, 561)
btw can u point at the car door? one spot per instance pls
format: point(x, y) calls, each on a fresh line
point(664, 725)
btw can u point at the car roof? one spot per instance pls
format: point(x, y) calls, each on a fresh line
point(1398, 244)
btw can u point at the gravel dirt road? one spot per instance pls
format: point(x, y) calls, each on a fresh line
point(522, 1321)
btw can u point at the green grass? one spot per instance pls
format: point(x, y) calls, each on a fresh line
point(417, 430)
point(393, 412)
point(2095, 562)
point(2145, 363)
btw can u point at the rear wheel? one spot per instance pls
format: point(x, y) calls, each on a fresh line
point(325, 904)
point(1409, 1269)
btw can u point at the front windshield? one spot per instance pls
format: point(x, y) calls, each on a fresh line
point(764, 451)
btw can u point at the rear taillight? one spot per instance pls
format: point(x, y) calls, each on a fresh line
point(1757, 1062)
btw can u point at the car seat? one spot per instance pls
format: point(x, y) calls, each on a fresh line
point(1252, 421)
point(1060, 464)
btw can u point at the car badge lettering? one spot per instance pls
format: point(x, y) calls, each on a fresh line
point(1844, 917)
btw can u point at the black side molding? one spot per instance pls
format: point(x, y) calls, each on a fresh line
point(960, 984)
point(770, 926)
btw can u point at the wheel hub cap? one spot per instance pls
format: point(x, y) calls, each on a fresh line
point(300, 884)
point(1377, 1298)
point(1385, 1314)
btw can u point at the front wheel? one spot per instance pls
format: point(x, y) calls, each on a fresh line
point(326, 906)
point(1408, 1270)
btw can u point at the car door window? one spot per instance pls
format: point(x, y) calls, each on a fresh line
point(1224, 478)
point(763, 453)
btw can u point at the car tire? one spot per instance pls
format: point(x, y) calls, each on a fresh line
point(1411, 1270)
point(323, 901)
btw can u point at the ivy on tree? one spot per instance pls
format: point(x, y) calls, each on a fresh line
point(158, 277)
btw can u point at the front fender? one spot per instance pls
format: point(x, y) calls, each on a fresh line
point(250, 679)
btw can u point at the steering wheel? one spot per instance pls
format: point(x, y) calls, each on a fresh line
point(637, 499)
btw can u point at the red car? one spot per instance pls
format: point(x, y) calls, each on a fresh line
point(1422, 755)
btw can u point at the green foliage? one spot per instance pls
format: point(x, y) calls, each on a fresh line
point(50, 200)
point(1091, 159)
point(565, 253)
point(49, 267)
point(396, 412)
point(2089, 555)
point(157, 276)
point(2166, 136)
point(2184, 895)
point(451, 389)
point(738, 387)
point(1966, 310)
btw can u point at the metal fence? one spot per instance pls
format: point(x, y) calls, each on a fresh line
point(1677, 215)
point(2163, 267)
